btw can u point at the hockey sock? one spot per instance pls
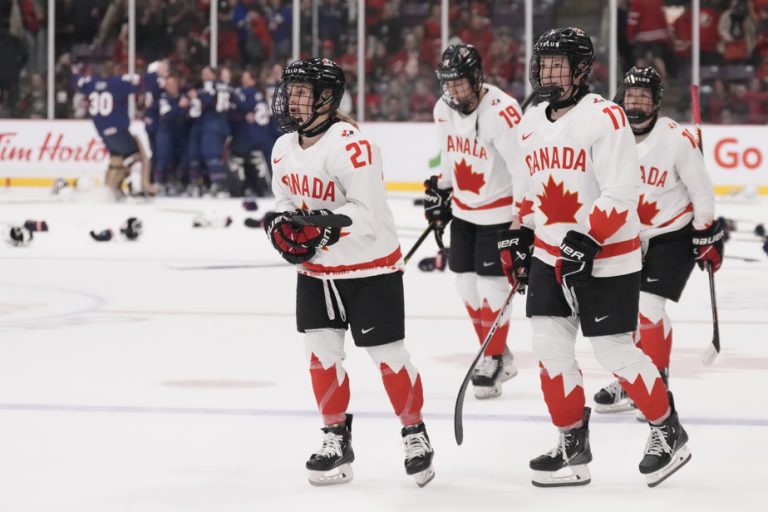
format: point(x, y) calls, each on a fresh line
point(330, 382)
point(493, 291)
point(401, 381)
point(466, 284)
point(655, 330)
point(561, 380)
point(331, 387)
point(635, 371)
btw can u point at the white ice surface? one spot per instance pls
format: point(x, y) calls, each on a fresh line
point(132, 381)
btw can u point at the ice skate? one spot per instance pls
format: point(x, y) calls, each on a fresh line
point(491, 372)
point(666, 451)
point(332, 463)
point(613, 398)
point(566, 464)
point(418, 454)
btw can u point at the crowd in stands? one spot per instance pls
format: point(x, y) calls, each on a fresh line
point(402, 46)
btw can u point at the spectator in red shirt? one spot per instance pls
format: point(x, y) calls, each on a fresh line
point(757, 102)
point(738, 32)
point(422, 102)
point(709, 36)
point(478, 33)
point(648, 33)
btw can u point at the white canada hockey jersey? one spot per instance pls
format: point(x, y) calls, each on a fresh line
point(584, 176)
point(480, 157)
point(676, 187)
point(343, 173)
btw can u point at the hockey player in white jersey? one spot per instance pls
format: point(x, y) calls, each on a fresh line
point(349, 277)
point(676, 210)
point(477, 129)
point(581, 206)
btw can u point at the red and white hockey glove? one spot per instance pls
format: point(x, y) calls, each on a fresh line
point(515, 247)
point(313, 236)
point(284, 237)
point(708, 245)
point(577, 252)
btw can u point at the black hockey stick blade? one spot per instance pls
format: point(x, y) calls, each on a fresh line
point(713, 350)
point(458, 422)
point(418, 243)
point(335, 220)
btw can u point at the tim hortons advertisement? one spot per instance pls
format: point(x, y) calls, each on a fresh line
point(735, 155)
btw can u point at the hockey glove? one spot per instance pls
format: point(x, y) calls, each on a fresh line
point(515, 248)
point(708, 245)
point(437, 203)
point(313, 236)
point(283, 236)
point(577, 252)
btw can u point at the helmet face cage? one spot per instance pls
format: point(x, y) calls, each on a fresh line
point(641, 78)
point(327, 83)
point(576, 47)
point(461, 61)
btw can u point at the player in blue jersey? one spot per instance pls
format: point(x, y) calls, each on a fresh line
point(108, 107)
point(171, 135)
point(154, 83)
point(214, 127)
point(253, 134)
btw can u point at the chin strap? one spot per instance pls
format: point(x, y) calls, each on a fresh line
point(317, 130)
point(647, 129)
point(580, 93)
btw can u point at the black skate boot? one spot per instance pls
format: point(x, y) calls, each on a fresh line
point(418, 454)
point(491, 372)
point(666, 451)
point(332, 463)
point(566, 464)
point(613, 398)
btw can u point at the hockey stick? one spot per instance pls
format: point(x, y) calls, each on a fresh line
point(458, 426)
point(713, 349)
point(418, 243)
point(321, 221)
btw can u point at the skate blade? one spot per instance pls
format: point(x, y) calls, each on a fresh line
point(680, 459)
point(567, 476)
point(485, 392)
point(424, 477)
point(338, 475)
point(617, 407)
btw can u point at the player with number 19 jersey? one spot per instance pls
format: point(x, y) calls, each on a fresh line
point(479, 157)
point(342, 172)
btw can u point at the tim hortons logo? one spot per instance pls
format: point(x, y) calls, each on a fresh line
point(53, 149)
point(301, 185)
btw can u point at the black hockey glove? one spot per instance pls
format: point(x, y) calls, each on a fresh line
point(283, 235)
point(515, 248)
point(577, 252)
point(313, 236)
point(708, 245)
point(437, 203)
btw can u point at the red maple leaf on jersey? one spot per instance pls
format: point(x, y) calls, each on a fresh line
point(524, 207)
point(466, 179)
point(602, 226)
point(646, 210)
point(558, 204)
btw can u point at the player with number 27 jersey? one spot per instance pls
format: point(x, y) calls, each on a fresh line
point(342, 172)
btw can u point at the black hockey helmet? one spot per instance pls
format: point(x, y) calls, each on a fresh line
point(572, 43)
point(644, 78)
point(323, 75)
point(460, 61)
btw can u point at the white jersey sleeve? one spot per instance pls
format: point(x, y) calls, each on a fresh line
point(613, 214)
point(441, 114)
point(693, 174)
point(283, 197)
